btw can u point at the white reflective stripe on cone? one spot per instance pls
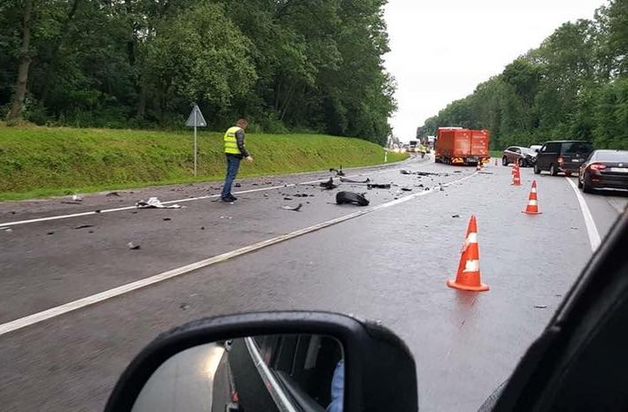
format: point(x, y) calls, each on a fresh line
point(532, 203)
point(533, 190)
point(471, 238)
point(472, 266)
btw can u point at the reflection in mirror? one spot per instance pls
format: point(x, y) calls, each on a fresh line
point(261, 373)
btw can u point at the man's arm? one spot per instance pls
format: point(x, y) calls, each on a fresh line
point(240, 141)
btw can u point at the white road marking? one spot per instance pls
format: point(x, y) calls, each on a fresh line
point(594, 235)
point(189, 199)
point(142, 283)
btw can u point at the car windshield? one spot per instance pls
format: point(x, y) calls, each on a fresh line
point(166, 161)
point(577, 148)
point(612, 156)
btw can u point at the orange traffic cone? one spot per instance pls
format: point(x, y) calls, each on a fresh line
point(533, 204)
point(496, 162)
point(516, 175)
point(479, 166)
point(468, 276)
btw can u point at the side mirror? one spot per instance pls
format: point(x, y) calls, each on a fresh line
point(271, 361)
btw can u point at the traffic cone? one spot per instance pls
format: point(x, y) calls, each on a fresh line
point(516, 175)
point(479, 166)
point(496, 162)
point(468, 275)
point(533, 205)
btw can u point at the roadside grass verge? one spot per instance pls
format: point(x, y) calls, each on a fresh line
point(41, 162)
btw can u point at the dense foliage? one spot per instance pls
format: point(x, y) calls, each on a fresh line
point(574, 86)
point(285, 64)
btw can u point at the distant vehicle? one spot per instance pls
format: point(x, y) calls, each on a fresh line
point(562, 156)
point(412, 145)
point(523, 156)
point(536, 147)
point(604, 169)
point(455, 145)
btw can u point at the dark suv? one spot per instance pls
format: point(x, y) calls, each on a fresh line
point(562, 156)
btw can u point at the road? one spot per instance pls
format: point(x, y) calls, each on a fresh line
point(63, 352)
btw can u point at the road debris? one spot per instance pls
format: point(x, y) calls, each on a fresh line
point(328, 185)
point(540, 306)
point(6, 229)
point(226, 217)
point(339, 172)
point(370, 186)
point(133, 246)
point(167, 219)
point(287, 198)
point(90, 231)
point(202, 227)
point(110, 194)
point(455, 216)
point(406, 189)
point(238, 185)
point(77, 198)
point(154, 203)
point(345, 180)
point(97, 211)
point(351, 198)
point(83, 226)
point(50, 233)
point(184, 306)
point(418, 173)
point(70, 203)
point(293, 209)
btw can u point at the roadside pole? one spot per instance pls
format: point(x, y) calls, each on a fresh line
point(385, 156)
point(196, 119)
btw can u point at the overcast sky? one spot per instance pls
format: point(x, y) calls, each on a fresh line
point(441, 49)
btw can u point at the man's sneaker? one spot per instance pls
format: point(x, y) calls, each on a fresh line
point(233, 198)
point(227, 199)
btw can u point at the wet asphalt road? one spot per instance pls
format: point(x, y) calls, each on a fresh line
point(390, 265)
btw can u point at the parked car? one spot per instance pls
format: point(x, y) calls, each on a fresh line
point(562, 156)
point(523, 156)
point(536, 147)
point(604, 169)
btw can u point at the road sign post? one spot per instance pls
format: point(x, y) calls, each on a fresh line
point(196, 119)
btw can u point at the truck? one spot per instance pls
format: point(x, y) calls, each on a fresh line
point(412, 146)
point(460, 146)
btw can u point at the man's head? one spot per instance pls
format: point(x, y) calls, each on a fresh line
point(242, 123)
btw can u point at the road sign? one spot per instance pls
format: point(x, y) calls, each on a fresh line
point(196, 119)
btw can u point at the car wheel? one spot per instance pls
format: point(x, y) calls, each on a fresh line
point(579, 183)
point(586, 188)
point(537, 171)
point(504, 161)
point(553, 170)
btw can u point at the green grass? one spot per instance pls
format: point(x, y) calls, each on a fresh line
point(495, 153)
point(40, 162)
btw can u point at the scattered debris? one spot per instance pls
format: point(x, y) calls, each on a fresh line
point(287, 198)
point(378, 186)
point(154, 203)
point(268, 183)
point(97, 211)
point(226, 217)
point(339, 172)
point(6, 229)
point(202, 227)
point(238, 185)
point(77, 198)
point(345, 180)
point(455, 216)
point(133, 246)
point(351, 198)
point(167, 219)
point(406, 189)
point(457, 171)
point(419, 173)
point(90, 231)
point(419, 185)
point(51, 233)
point(328, 185)
point(254, 184)
point(293, 209)
point(540, 306)
point(184, 306)
point(70, 203)
point(116, 194)
point(83, 226)
point(485, 173)
point(442, 189)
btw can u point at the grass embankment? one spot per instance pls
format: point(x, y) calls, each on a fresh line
point(38, 161)
point(496, 153)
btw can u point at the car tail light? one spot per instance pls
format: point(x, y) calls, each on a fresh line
point(561, 160)
point(597, 166)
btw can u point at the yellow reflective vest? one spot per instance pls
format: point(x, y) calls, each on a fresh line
point(231, 143)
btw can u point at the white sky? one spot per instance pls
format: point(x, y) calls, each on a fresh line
point(442, 49)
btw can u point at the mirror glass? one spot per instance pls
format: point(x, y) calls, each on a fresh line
point(260, 373)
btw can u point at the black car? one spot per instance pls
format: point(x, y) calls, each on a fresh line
point(562, 156)
point(604, 169)
point(524, 156)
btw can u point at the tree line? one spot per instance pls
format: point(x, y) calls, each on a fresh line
point(307, 65)
point(574, 86)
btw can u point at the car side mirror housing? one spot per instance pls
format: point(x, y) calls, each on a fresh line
point(293, 360)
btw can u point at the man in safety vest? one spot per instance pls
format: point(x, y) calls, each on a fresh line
point(234, 152)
